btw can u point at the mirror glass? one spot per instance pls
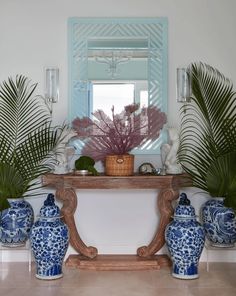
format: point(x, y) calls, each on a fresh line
point(117, 62)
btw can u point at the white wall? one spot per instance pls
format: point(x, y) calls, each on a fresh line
point(33, 35)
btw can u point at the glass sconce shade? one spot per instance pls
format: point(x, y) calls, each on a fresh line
point(52, 85)
point(183, 86)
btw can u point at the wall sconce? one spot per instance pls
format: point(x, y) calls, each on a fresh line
point(51, 87)
point(183, 90)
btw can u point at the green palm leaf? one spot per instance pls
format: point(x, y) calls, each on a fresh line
point(8, 176)
point(208, 123)
point(221, 178)
point(28, 142)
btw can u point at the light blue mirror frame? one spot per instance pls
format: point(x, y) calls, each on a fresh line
point(81, 30)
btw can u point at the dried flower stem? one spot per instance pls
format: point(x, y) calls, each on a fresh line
point(120, 133)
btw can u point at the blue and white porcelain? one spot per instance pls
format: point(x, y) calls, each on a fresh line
point(185, 240)
point(219, 223)
point(49, 241)
point(16, 222)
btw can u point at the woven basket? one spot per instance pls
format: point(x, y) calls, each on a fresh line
point(119, 165)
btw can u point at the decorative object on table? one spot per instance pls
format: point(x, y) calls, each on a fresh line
point(16, 223)
point(82, 173)
point(120, 134)
point(66, 152)
point(158, 172)
point(28, 145)
point(85, 166)
point(169, 150)
point(185, 240)
point(207, 148)
point(146, 168)
point(49, 241)
point(119, 165)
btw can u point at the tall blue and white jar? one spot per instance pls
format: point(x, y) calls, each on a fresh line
point(185, 240)
point(49, 241)
point(219, 223)
point(16, 223)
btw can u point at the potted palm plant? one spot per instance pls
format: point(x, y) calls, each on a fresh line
point(28, 147)
point(207, 149)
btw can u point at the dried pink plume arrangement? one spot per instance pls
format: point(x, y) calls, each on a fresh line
point(120, 133)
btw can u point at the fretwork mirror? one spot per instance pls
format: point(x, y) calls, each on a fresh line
point(117, 61)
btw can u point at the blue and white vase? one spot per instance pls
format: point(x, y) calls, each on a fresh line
point(219, 223)
point(49, 241)
point(185, 240)
point(16, 223)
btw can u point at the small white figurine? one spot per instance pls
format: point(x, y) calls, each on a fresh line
point(64, 152)
point(169, 153)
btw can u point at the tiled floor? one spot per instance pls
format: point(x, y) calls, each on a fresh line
point(16, 280)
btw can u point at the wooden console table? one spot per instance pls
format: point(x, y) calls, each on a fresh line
point(88, 257)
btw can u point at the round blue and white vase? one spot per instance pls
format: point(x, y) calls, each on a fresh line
point(16, 223)
point(185, 240)
point(219, 223)
point(49, 241)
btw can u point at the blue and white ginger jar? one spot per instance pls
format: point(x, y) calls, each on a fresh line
point(219, 223)
point(49, 241)
point(185, 240)
point(16, 223)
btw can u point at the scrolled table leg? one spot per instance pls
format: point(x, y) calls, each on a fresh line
point(69, 199)
point(165, 198)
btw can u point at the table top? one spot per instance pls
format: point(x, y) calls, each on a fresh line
point(115, 182)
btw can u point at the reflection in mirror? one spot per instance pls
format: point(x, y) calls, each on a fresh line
point(117, 58)
point(104, 95)
point(116, 62)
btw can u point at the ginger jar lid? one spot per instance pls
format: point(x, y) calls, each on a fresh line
point(184, 208)
point(49, 209)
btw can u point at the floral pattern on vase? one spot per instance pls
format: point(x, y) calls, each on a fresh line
point(49, 241)
point(219, 223)
point(185, 240)
point(16, 223)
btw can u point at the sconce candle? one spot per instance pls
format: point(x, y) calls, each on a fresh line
point(183, 86)
point(52, 84)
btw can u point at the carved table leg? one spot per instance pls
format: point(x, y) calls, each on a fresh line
point(69, 200)
point(165, 198)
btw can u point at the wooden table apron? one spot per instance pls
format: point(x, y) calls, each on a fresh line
point(87, 257)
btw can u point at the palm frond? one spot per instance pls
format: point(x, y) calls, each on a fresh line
point(16, 99)
point(9, 175)
point(221, 178)
point(221, 175)
point(35, 154)
point(28, 142)
point(208, 123)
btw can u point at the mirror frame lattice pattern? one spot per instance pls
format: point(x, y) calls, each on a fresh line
point(80, 30)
